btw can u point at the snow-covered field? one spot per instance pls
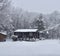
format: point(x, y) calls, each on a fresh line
point(38, 48)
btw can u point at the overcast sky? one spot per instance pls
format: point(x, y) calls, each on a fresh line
point(44, 6)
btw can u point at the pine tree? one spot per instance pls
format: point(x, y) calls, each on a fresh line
point(40, 26)
point(39, 23)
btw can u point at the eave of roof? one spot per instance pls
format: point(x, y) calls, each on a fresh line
point(26, 30)
point(4, 33)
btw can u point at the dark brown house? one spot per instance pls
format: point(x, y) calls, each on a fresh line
point(25, 34)
point(3, 36)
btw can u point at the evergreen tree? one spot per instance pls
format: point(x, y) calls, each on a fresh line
point(40, 26)
point(39, 23)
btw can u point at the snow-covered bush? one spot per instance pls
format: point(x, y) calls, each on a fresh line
point(14, 37)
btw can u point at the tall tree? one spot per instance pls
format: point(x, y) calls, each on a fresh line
point(39, 23)
point(5, 18)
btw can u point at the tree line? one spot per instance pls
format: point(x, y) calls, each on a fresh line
point(12, 18)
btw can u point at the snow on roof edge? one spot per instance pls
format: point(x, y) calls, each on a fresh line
point(26, 30)
point(4, 33)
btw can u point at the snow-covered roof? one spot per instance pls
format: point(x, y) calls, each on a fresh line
point(4, 33)
point(26, 30)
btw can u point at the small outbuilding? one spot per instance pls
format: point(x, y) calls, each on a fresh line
point(25, 34)
point(3, 36)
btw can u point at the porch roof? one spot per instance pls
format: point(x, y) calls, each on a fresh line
point(26, 30)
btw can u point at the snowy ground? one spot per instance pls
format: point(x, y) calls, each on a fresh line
point(39, 48)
